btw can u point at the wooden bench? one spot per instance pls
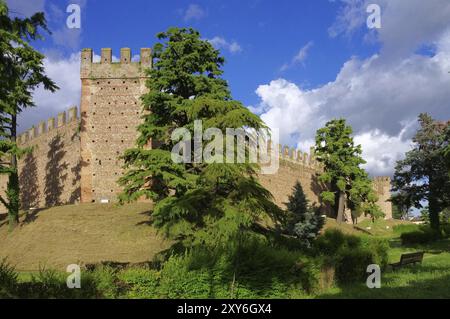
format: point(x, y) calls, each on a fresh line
point(407, 259)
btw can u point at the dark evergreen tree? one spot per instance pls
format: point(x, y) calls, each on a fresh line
point(303, 221)
point(349, 184)
point(196, 203)
point(22, 70)
point(423, 175)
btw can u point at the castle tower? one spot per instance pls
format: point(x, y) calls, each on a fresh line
point(110, 113)
point(382, 187)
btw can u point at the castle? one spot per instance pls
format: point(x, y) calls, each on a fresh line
point(75, 158)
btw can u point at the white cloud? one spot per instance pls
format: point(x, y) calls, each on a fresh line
point(380, 96)
point(299, 58)
point(405, 25)
point(380, 100)
point(66, 74)
point(194, 12)
point(222, 43)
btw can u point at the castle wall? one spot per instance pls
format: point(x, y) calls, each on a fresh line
point(110, 113)
point(49, 173)
point(293, 166)
point(78, 160)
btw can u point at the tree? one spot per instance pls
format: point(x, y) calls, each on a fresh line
point(423, 174)
point(303, 221)
point(22, 70)
point(349, 184)
point(446, 150)
point(198, 202)
point(401, 203)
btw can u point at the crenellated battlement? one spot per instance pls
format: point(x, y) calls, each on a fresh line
point(296, 156)
point(44, 127)
point(107, 68)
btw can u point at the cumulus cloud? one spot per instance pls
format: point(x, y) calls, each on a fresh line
point(194, 12)
point(299, 58)
point(222, 43)
point(66, 74)
point(380, 99)
point(405, 25)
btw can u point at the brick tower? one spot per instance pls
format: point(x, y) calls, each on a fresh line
point(110, 112)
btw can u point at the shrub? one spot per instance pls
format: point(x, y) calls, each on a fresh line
point(445, 230)
point(177, 281)
point(422, 236)
point(140, 283)
point(8, 280)
point(104, 279)
point(351, 264)
point(350, 255)
point(404, 228)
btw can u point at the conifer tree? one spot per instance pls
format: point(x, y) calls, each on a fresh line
point(349, 184)
point(303, 221)
point(423, 175)
point(22, 70)
point(197, 202)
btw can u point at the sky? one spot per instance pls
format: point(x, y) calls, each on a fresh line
point(296, 63)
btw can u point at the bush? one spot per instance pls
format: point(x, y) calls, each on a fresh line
point(405, 228)
point(104, 278)
point(177, 281)
point(350, 255)
point(422, 236)
point(140, 283)
point(446, 230)
point(8, 280)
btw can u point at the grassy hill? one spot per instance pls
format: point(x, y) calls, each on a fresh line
point(91, 233)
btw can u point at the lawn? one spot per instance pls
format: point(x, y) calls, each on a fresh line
point(431, 279)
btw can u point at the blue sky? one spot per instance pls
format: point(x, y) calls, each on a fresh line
point(269, 34)
point(297, 63)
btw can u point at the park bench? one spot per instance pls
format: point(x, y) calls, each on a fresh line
point(407, 259)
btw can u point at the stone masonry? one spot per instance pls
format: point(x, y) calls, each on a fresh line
point(77, 159)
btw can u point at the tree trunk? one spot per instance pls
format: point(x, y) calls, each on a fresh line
point(341, 207)
point(12, 191)
point(433, 211)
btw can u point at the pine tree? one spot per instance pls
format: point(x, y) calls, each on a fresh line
point(349, 184)
point(21, 68)
point(303, 221)
point(423, 175)
point(196, 203)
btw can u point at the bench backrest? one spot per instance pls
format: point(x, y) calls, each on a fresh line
point(412, 257)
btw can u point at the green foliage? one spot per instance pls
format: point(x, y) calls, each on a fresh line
point(423, 235)
point(302, 221)
point(140, 283)
point(195, 203)
point(423, 174)
point(8, 280)
point(351, 255)
point(104, 278)
point(404, 228)
point(342, 161)
point(22, 71)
